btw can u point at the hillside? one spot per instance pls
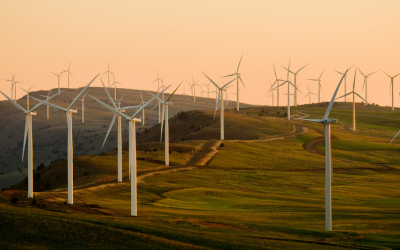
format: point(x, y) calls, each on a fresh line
point(264, 189)
point(50, 136)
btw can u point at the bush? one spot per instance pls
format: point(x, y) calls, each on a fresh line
point(278, 113)
point(34, 202)
point(262, 111)
point(170, 151)
point(155, 150)
point(285, 114)
point(260, 114)
point(14, 200)
point(222, 145)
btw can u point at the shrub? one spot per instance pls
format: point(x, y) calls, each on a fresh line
point(47, 186)
point(14, 200)
point(278, 113)
point(41, 166)
point(260, 114)
point(285, 114)
point(155, 150)
point(262, 111)
point(34, 202)
point(222, 145)
point(170, 151)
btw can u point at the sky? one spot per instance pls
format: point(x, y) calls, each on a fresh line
point(179, 39)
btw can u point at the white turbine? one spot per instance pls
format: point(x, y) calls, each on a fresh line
point(345, 85)
point(142, 103)
point(366, 83)
point(108, 74)
point(165, 117)
point(319, 85)
point(58, 77)
point(132, 145)
point(220, 103)
point(28, 133)
point(69, 72)
point(295, 82)
point(288, 93)
point(193, 88)
point(27, 96)
point(83, 106)
point(47, 106)
point(68, 111)
point(328, 157)
point(237, 83)
point(391, 86)
point(271, 94)
point(309, 94)
point(277, 80)
point(12, 85)
point(115, 88)
point(354, 102)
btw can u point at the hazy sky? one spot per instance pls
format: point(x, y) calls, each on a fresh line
point(183, 38)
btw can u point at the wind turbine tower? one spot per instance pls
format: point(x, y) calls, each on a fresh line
point(237, 83)
point(328, 158)
point(68, 111)
point(391, 85)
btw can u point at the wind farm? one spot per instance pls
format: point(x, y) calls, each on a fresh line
point(197, 149)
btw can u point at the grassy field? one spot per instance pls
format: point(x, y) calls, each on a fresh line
point(265, 193)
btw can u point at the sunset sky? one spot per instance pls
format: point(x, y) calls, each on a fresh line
point(183, 38)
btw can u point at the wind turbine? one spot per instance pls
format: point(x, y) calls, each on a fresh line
point(391, 82)
point(365, 83)
point(69, 73)
point(288, 93)
point(271, 94)
point(237, 82)
point(328, 157)
point(132, 144)
point(142, 103)
point(119, 141)
point(208, 89)
point(48, 95)
point(319, 85)
point(165, 116)
point(83, 107)
point(193, 88)
point(158, 82)
point(68, 111)
point(354, 103)
point(28, 133)
point(295, 82)
point(27, 96)
point(108, 74)
point(277, 80)
point(115, 88)
point(345, 85)
point(12, 84)
point(221, 102)
point(58, 77)
point(309, 94)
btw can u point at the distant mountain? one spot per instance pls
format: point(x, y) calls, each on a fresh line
point(50, 136)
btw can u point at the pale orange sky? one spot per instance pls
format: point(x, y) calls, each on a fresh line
point(181, 38)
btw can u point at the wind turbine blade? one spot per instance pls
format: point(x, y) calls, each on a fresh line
point(49, 104)
point(162, 120)
point(228, 75)
point(14, 103)
point(85, 94)
point(276, 77)
point(333, 97)
point(25, 135)
point(361, 98)
point(154, 106)
point(147, 103)
point(360, 71)
point(131, 107)
point(123, 97)
point(83, 90)
point(295, 87)
point(395, 136)
point(173, 92)
point(40, 104)
point(342, 95)
point(228, 83)
point(321, 74)
point(306, 96)
point(108, 94)
point(338, 72)
point(301, 68)
point(141, 96)
point(396, 75)
point(386, 73)
point(372, 73)
point(110, 108)
point(54, 73)
point(242, 82)
point(109, 129)
point(216, 85)
point(312, 120)
point(239, 64)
